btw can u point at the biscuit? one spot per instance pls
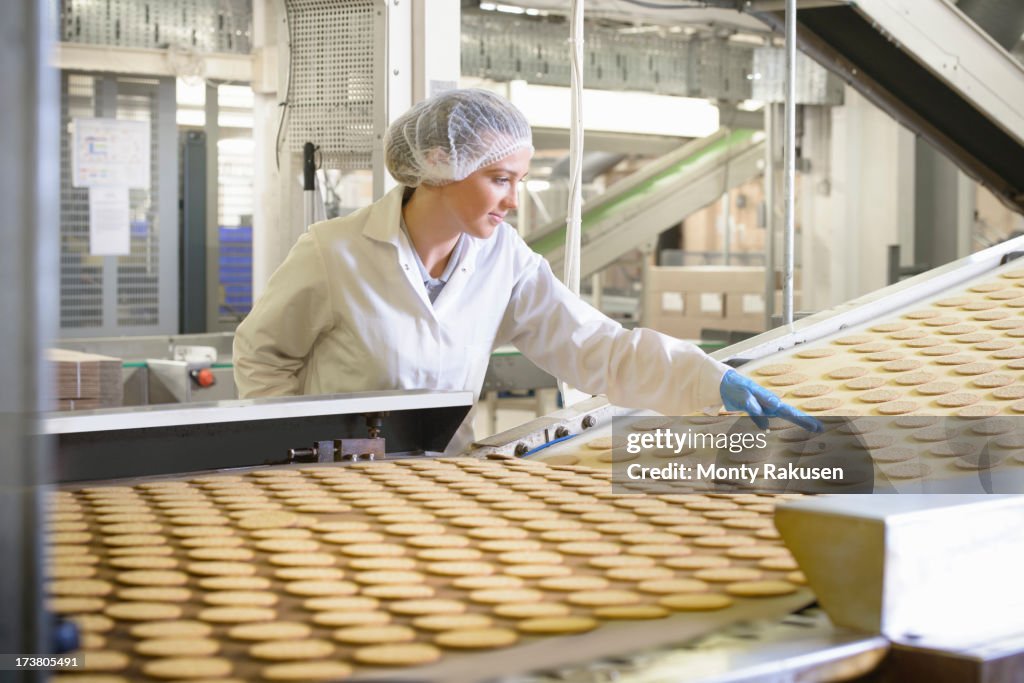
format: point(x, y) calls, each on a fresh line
point(820, 352)
point(143, 611)
point(477, 639)
point(871, 347)
point(603, 443)
point(695, 602)
point(922, 341)
point(158, 594)
point(774, 369)
point(810, 391)
point(937, 388)
point(760, 589)
point(505, 595)
point(315, 588)
point(644, 424)
point(410, 654)
point(183, 629)
point(236, 615)
point(672, 586)
point(233, 583)
point(374, 635)
point(915, 378)
point(911, 469)
point(897, 408)
point(178, 647)
point(787, 379)
point(862, 383)
point(922, 315)
point(84, 588)
point(909, 334)
point(757, 552)
point(557, 625)
point(889, 327)
point(978, 411)
point(853, 340)
point(979, 460)
point(188, 667)
point(241, 598)
point(451, 622)
point(425, 607)
point(904, 365)
point(307, 671)
point(937, 351)
point(603, 598)
point(884, 357)
point(399, 592)
point(638, 573)
point(957, 400)
point(960, 330)
point(473, 583)
point(879, 396)
point(847, 372)
point(957, 359)
point(310, 648)
point(728, 574)
point(975, 368)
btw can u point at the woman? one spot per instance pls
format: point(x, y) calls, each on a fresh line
point(416, 290)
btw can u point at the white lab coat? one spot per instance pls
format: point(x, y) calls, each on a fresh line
point(347, 311)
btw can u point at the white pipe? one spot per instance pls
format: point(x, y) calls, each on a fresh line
point(789, 164)
point(574, 213)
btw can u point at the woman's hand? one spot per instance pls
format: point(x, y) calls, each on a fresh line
point(742, 393)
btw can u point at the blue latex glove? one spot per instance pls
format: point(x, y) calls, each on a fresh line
point(742, 393)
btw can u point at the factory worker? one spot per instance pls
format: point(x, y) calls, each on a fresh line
point(416, 290)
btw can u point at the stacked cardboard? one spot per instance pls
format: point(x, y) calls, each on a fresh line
point(85, 380)
point(684, 300)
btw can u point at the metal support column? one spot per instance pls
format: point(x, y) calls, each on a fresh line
point(194, 280)
point(105, 107)
point(789, 165)
point(212, 222)
point(29, 169)
point(770, 121)
point(393, 85)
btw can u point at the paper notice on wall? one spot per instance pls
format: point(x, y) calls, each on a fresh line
point(109, 221)
point(110, 153)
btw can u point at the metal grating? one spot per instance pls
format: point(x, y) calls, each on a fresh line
point(81, 275)
point(235, 206)
point(200, 25)
point(505, 47)
point(109, 294)
point(138, 281)
point(331, 79)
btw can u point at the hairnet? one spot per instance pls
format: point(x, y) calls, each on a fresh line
point(446, 137)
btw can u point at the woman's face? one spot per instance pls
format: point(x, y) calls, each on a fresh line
point(480, 201)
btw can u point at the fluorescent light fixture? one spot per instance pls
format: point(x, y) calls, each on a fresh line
point(488, 6)
point(616, 111)
point(510, 9)
point(537, 185)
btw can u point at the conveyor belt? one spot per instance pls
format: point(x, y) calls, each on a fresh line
point(637, 209)
point(360, 531)
point(934, 389)
point(936, 72)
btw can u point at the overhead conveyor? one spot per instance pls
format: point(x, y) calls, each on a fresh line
point(638, 208)
point(935, 71)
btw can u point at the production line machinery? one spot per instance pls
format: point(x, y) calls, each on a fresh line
point(900, 590)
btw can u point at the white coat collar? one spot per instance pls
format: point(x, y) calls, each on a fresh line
point(383, 224)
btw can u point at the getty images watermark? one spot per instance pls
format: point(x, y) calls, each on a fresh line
point(853, 455)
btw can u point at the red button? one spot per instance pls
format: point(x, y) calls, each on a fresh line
point(204, 377)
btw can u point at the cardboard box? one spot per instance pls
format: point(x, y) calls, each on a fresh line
point(683, 301)
point(85, 380)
